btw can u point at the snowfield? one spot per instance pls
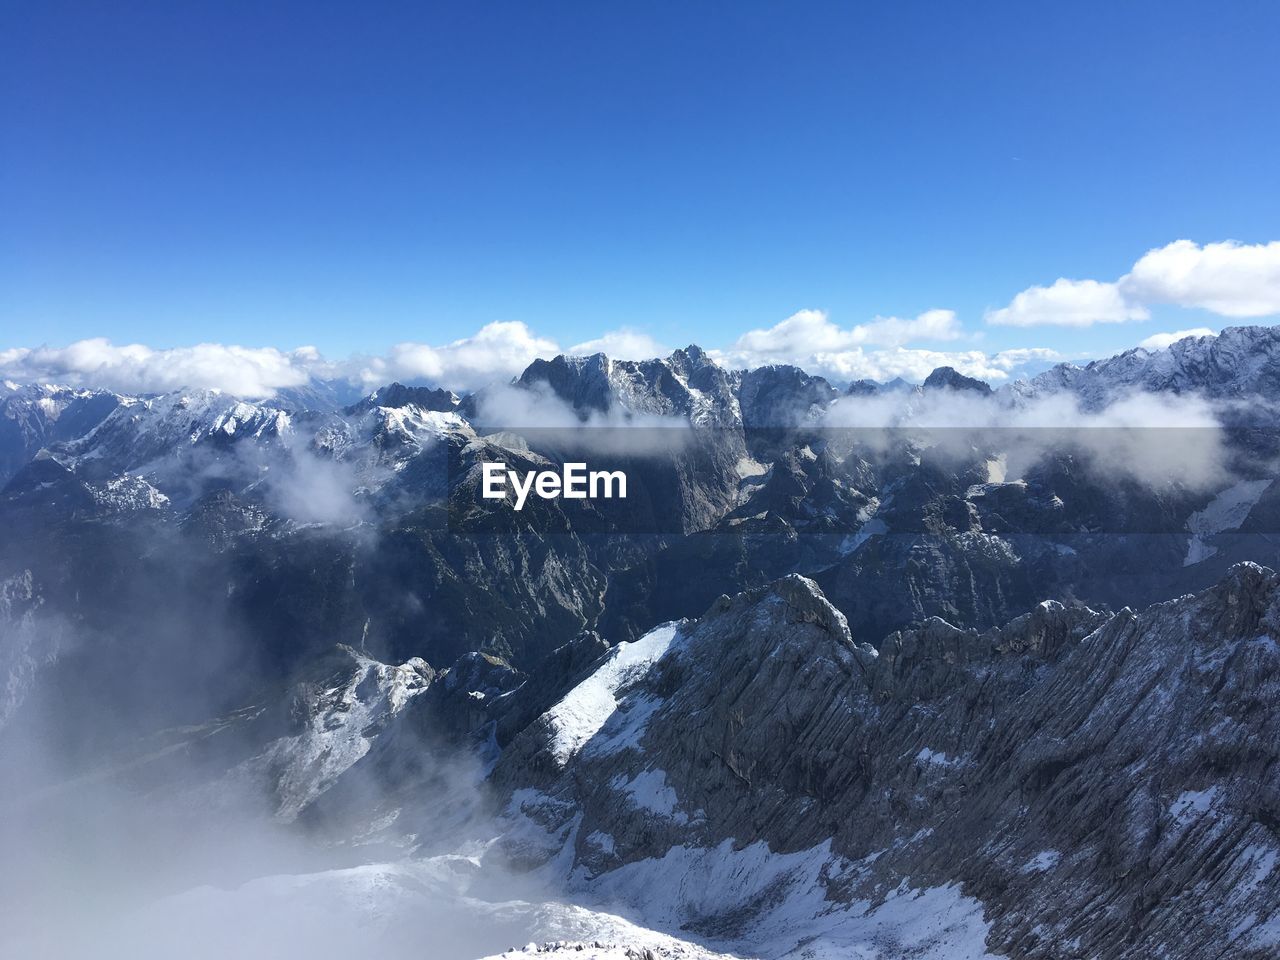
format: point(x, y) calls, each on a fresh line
point(452, 908)
point(586, 709)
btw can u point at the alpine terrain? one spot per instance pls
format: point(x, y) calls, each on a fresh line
point(853, 670)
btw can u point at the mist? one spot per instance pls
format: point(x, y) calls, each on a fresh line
point(1152, 439)
point(536, 414)
point(178, 844)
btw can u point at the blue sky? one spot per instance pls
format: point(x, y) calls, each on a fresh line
point(357, 175)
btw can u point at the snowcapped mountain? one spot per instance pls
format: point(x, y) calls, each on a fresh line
point(759, 783)
point(687, 384)
point(1240, 363)
point(128, 434)
point(138, 432)
point(827, 683)
point(1012, 763)
point(36, 416)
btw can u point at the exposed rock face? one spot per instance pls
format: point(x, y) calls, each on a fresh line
point(1091, 784)
point(948, 378)
point(25, 647)
point(655, 387)
point(1239, 363)
point(332, 717)
point(863, 723)
point(782, 396)
point(37, 416)
point(1104, 785)
point(602, 950)
point(322, 525)
point(397, 395)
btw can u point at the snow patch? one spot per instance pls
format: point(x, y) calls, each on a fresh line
point(344, 723)
point(871, 528)
point(1192, 804)
point(1042, 861)
point(704, 888)
point(1224, 512)
point(936, 758)
point(585, 710)
point(650, 791)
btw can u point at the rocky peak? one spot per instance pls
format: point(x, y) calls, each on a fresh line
point(1067, 763)
point(1050, 627)
point(948, 378)
point(585, 383)
point(36, 416)
point(782, 395)
point(795, 599)
point(1239, 362)
point(684, 385)
point(396, 395)
point(862, 388)
point(690, 358)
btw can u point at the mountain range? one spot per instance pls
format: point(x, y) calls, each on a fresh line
point(883, 670)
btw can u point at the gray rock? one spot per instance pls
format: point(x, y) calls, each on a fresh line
point(1104, 784)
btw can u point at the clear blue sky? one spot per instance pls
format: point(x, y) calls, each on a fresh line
point(352, 175)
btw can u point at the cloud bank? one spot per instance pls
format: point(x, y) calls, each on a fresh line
point(1154, 439)
point(810, 332)
point(1230, 279)
point(876, 350)
point(134, 368)
point(497, 351)
point(500, 351)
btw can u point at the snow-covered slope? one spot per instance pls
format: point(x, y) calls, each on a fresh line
point(952, 776)
point(780, 787)
point(337, 717)
point(1240, 363)
point(35, 416)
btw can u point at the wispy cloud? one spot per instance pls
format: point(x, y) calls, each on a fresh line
point(1155, 439)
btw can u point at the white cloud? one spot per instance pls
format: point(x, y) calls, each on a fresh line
point(808, 339)
point(497, 351)
point(624, 344)
point(1068, 303)
point(1229, 278)
point(916, 364)
point(1152, 438)
point(1158, 341)
point(894, 331)
point(245, 371)
point(809, 332)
